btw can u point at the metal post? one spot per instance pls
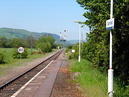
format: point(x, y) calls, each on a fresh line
point(81, 39)
point(110, 71)
point(110, 67)
point(20, 59)
point(31, 43)
point(79, 56)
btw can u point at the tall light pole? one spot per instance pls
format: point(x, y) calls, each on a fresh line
point(79, 39)
point(110, 26)
point(82, 38)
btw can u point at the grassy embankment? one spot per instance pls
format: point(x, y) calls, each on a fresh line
point(92, 82)
point(11, 62)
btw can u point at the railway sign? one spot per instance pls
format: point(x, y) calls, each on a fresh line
point(110, 24)
point(73, 51)
point(58, 47)
point(20, 49)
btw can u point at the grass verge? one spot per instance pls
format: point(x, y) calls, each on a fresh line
point(92, 82)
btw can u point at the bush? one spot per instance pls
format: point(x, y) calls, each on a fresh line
point(2, 58)
point(17, 55)
point(45, 47)
point(46, 44)
point(71, 54)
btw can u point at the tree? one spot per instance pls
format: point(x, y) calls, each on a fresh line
point(17, 42)
point(97, 12)
point(3, 42)
point(45, 43)
point(31, 42)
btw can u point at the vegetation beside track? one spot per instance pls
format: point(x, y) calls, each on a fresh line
point(93, 82)
point(96, 48)
point(11, 62)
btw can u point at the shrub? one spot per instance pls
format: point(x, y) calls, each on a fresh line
point(75, 54)
point(46, 44)
point(2, 58)
point(45, 47)
point(17, 55)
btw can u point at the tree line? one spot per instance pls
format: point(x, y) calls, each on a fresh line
point(44, 43)
point(96, 49)
point(17, 42)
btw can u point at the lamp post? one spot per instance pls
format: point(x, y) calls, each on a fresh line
point(79, 56)
point(110, 26)
point(79, 40)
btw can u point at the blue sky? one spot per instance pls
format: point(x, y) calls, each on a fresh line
point(52, 16)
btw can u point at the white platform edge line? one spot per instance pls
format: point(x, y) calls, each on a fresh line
point(24, 86)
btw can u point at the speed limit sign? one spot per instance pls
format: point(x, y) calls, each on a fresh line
point(20, 49)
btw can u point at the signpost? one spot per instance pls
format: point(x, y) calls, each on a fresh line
point(110, 26)
point(73, 51)
point(20, 50)
point(58, 47)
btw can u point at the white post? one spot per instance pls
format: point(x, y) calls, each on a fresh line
point(110, 71)
point(31, 44)
point(20, 59)
point(79, 56)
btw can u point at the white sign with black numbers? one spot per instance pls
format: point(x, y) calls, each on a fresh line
point(20, 49)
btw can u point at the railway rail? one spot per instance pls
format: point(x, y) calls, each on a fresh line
point(9, 88)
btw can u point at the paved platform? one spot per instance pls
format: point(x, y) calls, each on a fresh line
point(42, 85)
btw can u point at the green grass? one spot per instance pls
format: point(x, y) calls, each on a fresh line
point(11, 62)
point(92, 82)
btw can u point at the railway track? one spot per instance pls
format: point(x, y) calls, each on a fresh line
point(13, 85)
